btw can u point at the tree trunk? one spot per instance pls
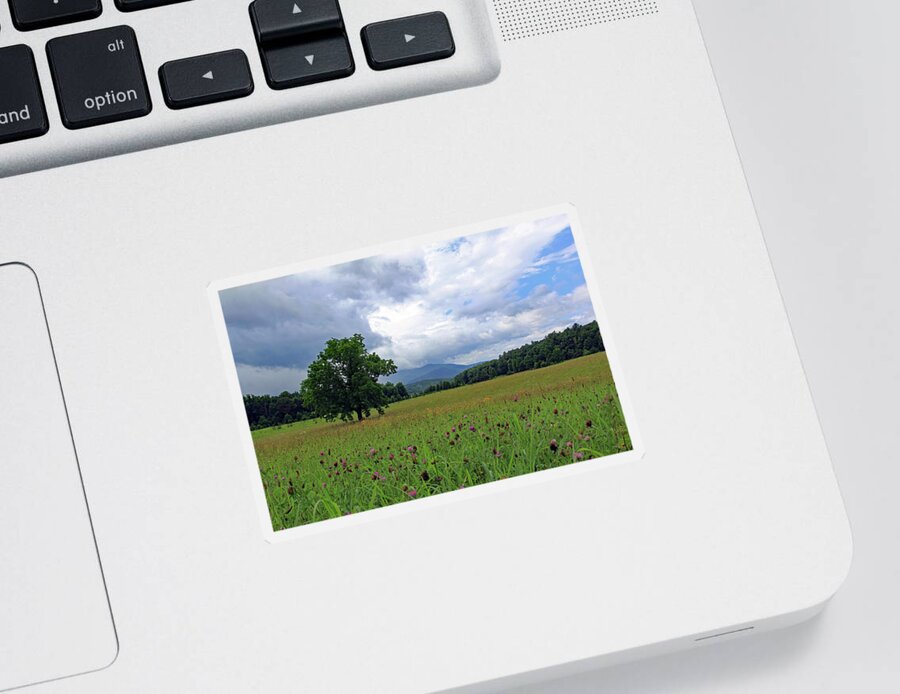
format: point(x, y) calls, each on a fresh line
point(359, 415)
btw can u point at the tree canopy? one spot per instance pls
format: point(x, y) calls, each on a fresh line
point(343, 380)
point(271, 410)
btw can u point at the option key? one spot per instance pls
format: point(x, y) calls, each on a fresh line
point(99, 77)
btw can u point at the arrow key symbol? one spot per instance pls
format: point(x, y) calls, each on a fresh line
point(310, 59)
point(208, 75)
point(408, 41)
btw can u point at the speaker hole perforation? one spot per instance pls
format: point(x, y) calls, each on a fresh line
point(521, 19)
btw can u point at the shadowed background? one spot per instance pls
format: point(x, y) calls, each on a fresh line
point(810, 88)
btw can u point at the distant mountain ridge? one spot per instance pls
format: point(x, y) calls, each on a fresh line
point(429, 372)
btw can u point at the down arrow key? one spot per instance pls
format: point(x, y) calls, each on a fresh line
point(289, 65)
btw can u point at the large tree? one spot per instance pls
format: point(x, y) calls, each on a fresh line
point(343, 380)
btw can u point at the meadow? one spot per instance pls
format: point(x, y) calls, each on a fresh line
point(436, 443)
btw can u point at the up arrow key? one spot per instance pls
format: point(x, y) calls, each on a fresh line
point(408, 37)
point(287, 21)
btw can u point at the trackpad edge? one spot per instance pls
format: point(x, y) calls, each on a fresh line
point(55, 618)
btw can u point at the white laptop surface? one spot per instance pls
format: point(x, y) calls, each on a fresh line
point(529, 215)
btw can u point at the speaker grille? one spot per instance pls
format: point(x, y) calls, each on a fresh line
point(521, 19)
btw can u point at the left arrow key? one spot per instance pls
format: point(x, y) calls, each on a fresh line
point(206, 79)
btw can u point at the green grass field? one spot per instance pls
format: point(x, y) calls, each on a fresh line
point(505, 427)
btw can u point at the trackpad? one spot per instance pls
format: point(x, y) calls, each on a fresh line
point(55, 619)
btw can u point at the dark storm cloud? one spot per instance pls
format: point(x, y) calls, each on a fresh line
point(284, 323)
point(463, 301)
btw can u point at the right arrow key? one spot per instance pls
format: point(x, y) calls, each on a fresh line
point(408, 40)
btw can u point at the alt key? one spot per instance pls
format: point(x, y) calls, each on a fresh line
point(99, 77)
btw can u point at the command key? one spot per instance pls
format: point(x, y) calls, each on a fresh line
point(22, 111)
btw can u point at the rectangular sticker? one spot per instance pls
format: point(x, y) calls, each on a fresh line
point(434, 366)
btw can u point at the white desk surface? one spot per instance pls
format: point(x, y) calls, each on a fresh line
point(811, 91)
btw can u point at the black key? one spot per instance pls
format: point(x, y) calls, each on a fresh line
point(407, 41)
point(131, 5)
point(206, 79)
point(22, 111)
point(99, 77)
point(296, 64)
point(284, 19)
point(37, 14)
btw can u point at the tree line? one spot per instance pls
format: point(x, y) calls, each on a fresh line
point(575, 341)
point(271, 410)
point(343, 381)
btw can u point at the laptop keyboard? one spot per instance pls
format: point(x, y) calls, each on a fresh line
point(103, 76)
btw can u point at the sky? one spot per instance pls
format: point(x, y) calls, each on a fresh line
point(461, 301)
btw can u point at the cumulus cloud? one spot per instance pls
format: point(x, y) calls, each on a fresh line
point(462, 301)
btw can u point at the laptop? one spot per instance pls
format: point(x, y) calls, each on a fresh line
point(386, 347)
